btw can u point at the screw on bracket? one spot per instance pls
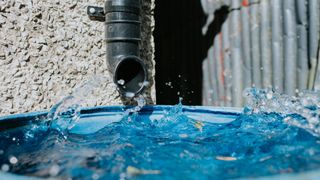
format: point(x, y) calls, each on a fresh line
point(96, 13)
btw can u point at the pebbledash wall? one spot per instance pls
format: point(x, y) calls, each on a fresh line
point(48, 48)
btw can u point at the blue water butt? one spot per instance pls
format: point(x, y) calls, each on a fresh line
point(158, 142)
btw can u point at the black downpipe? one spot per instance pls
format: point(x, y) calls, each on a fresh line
point(122, 31)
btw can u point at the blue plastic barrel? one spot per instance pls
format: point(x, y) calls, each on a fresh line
point(94, 119)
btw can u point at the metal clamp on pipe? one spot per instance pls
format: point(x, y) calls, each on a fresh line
point(122, 31)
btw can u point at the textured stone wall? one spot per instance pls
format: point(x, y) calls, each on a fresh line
point(48, 48)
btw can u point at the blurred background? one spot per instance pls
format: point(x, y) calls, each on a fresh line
point(209, 51)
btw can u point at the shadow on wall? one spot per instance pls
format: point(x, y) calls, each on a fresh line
point(264, 44)
point(181, 48)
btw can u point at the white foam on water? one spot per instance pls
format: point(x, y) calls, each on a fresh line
point(306, 105)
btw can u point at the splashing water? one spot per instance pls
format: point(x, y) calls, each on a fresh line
point(140, 147)
point(302, 111)
point(64, 115)
point(141, 102)
point(274, 135)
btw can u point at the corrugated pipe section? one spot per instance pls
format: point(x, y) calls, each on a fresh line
point(263, 44)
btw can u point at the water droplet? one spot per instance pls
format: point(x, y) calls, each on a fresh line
point(121, 82)
point(144, 84)
point(180, 100)
point(129, 94)
point(269, 95)
point(13, 160)
point(5, 167)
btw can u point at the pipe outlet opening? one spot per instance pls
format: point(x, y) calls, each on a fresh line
point(130, 75)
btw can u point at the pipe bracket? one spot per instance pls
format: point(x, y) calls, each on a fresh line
point(96, 13)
